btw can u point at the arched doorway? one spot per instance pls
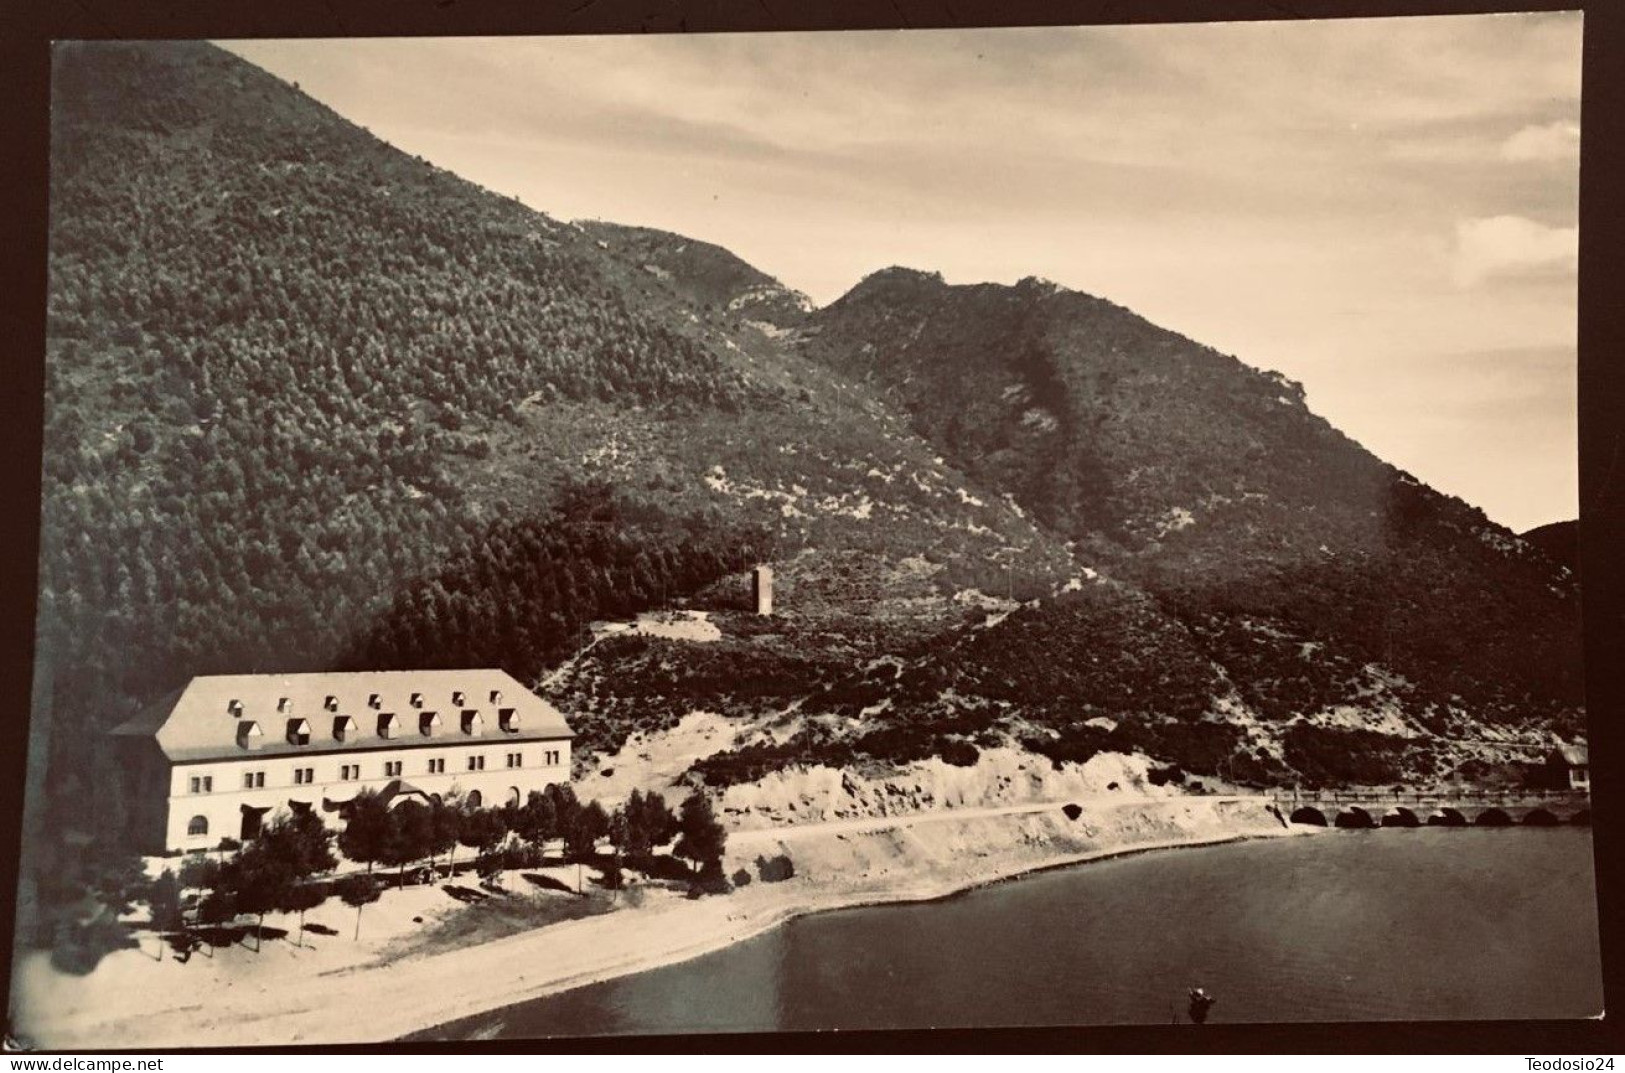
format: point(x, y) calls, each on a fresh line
point(514, 797)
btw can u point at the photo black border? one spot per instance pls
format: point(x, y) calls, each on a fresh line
point(24, 73)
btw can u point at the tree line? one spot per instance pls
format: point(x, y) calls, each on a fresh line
point(287, 868)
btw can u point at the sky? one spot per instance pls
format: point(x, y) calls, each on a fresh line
point(1382, 209)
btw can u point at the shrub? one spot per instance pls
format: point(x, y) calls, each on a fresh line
point(775, 870)
point(711, 880)
point(741, 878)
point(80, 947)
point(958, 753)
point(1160, 776)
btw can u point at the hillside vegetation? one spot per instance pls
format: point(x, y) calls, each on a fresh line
point(315, 403)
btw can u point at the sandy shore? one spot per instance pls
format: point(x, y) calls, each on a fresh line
point(338, 991)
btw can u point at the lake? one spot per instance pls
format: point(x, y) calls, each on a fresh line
point(1347, 925)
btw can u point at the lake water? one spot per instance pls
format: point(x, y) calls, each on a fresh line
point(1348, 925)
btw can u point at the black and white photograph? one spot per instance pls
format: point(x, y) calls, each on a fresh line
point(635, 535)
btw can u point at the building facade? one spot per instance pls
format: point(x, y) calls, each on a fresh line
point(221, 756)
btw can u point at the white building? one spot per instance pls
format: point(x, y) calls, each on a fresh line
point(221, 755)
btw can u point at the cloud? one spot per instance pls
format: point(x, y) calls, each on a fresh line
point(1512, 246)
point(1552, 141)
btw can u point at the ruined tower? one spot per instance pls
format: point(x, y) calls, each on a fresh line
point(761, 587)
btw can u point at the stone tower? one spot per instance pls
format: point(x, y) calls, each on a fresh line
point(761, 586)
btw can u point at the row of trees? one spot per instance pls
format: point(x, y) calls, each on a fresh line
point(281, 870)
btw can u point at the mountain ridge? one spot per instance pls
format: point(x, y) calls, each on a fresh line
point(312, 401)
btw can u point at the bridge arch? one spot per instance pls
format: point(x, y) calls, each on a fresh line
point(1310, 815)
point(1399, 816)
point(1540, 818)
point(1354, 816)
point(1493, 817)
point(1446, 817)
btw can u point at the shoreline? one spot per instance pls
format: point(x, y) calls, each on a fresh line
point(289, 996)
point(791, 912)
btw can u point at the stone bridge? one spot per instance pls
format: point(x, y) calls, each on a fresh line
point(1437, 808)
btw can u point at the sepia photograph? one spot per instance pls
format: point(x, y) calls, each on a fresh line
point(549, 537)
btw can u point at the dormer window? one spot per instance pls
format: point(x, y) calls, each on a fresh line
point(508, 719)
point(428, 723)
point(249, 734)
point(234, 707)
point(332, 703)
point(284, 705)
point(472, 723)
point(457, 698)
point(496, 696)
point(389, 724)
point(344, 728)
point(298, 731)
point(417, 700)
point(374, 701)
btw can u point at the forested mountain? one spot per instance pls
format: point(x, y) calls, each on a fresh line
point(1296, 559)
point(312, 402)
point(315, 403)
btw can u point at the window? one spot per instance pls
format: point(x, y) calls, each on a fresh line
point(304, 776)
point(298, 732)
point(234, 707)
point(253, 780)
point(343, 727)
point(508, 719)
point(198, 825)
point(496, 696)
point(349, 772)
point(202, 784)
point(437, 765)
point(428, 723)
point(552, 757)
point(476, 763)
point(332, 703)
point(374, 701)
point(515, 759)
point(388, 725)
point(392, 767)
point(249, 734)
point(457, 698)
point(417, 700)
point(284, 706)
point(472, 723)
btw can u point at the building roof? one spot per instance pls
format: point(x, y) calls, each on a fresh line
point(236, 716)
point(1575, 755)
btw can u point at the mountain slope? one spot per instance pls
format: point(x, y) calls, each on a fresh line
point(1559, 541)
point(1213, 486)
point(312, 402)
